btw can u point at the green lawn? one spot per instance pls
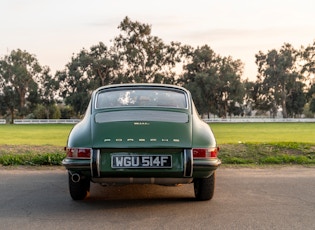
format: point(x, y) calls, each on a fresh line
point(225, 133)
point(232, 133)
point(50, 134)
point(240, 143)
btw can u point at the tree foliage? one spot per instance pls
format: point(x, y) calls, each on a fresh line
point(213, 81)
point(308, 68)
point(21, 76)
point(308, 58)
point(278, 81)
point(87, 71)
point(145, 58)
point(285, 79)
point(311, 98)
point(136, 56)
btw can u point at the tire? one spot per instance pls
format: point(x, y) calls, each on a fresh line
point(79, 190)
point(204, 187)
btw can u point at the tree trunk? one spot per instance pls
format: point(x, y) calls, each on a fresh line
point(12, 115)
point(284, 104)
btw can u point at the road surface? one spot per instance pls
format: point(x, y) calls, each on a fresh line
point(245, 198)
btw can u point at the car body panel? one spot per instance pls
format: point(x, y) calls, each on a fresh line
point(141, 134)
point(148, 142)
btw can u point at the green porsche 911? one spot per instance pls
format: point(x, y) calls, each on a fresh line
point(144, 134)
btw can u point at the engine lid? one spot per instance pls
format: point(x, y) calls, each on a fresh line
point(142, 129)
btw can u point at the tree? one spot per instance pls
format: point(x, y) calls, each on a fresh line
point(308, 59)
point(66, 112)
point(19, 73)
point(135, 56)
point(145, 58)
point(213, 81)
point(45, 94)
point(102, 65)
point(8, 101)
point(276, 75)
point(87, 71)
point(296, 99)
point(44, 112)
point(231, 91)
point(311, 98)
point(249, 96)
point(75, 86)
point(200, 77)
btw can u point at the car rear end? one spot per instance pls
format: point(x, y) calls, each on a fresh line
point(141, 134)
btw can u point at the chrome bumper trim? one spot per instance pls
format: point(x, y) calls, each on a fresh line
point(77, 164)
point(211, 164)
point(136, 180)
point(188, 163)
point(95, 163)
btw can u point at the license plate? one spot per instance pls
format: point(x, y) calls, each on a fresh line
point(141, 161)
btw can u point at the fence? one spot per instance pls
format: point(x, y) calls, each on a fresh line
point(46, 121)
point(253, 119)
point(211, 120)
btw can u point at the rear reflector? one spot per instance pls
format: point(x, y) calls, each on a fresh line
point(82, 153)
point(205, 152)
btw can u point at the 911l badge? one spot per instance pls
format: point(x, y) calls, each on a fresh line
point(141, 123)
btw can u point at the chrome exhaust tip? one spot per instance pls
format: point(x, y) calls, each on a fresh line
point(75, 177)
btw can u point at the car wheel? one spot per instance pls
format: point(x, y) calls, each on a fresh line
point(204, 187)
point(78, 189)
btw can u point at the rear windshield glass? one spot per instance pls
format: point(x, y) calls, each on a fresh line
point(141, 98)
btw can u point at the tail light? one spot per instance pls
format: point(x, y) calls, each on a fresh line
point(81, 153)
point(206, 152)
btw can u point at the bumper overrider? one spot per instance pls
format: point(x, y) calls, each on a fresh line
point(193, 168)
point(72, 164)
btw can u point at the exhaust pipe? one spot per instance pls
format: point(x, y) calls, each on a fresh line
point(75, 177)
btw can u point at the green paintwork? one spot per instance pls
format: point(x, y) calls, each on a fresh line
point(143, 137)
point(147, 135)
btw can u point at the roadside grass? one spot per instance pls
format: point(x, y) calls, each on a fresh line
point(36, 144)
point(240, 143)
point(32, 159)
point(266, 143)
point(32, 155)
point(268, 153)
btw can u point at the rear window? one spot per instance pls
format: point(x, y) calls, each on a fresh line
point(141, 98)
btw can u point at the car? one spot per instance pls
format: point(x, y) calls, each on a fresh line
point(141, 134)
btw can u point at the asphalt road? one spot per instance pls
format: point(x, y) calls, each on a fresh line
point(245, 198)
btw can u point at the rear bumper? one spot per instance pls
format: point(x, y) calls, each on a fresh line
point(139, 180)
point(77, 164)
point(211, 164)
point(192, 167)
point(203, 168)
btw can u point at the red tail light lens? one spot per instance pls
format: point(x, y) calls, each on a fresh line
point(198, 153)
point(205, 152)
point(82, 153)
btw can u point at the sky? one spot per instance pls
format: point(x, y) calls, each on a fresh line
point(55, 30)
